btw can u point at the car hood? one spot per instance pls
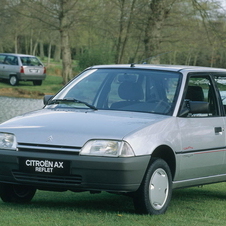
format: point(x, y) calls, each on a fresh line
point(74, 128)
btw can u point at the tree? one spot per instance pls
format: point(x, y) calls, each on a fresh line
point(125, 22)
point(55, 15)
point(115, 31)
point(157, 13)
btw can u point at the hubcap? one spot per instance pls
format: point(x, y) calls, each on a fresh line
point(13, 80)
point(158, 189)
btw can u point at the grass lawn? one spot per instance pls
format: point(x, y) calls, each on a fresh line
point(51, 85)
point(192, 206)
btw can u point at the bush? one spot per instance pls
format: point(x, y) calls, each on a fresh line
point(94, 57)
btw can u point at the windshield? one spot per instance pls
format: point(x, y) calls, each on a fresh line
point(140, 90)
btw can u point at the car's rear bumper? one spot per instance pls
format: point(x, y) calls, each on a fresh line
point(31, 77)
point(85, 172)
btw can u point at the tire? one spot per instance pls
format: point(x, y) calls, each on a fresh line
point(37, 82)
point(13, 80)
point(16, 193)
point(154, 195)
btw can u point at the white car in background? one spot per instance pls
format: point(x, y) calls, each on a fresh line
point(21, 67)
point(139, 130)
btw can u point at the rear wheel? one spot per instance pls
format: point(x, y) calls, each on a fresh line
point(37, 82)
point(13, 80)
point(16, 193)
point(154, 194)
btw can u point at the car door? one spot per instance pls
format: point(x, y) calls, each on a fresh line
point(202, 134)
point(2, 66)
point(10, 66)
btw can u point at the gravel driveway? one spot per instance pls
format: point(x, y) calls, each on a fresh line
point(11, 107)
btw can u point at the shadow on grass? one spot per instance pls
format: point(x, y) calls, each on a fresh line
point(104, 202)
point(20, 84)
point(80, 202)
point(208, 192)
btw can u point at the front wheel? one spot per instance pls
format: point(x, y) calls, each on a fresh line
point(16, 193)
point(154, 195)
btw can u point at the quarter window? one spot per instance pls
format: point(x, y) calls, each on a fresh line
point(221, 85)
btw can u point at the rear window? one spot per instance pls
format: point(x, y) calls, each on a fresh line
point(30, 61)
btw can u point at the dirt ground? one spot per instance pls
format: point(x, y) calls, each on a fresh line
point(14, 92)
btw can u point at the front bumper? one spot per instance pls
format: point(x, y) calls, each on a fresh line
point(85, 172)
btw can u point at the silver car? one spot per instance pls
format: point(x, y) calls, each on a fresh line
point(20, 67)
point(138, 130)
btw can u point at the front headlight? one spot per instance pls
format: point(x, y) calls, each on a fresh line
point(108, 148)
point(8, 141)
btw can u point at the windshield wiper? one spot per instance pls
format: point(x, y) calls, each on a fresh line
point(57, 101)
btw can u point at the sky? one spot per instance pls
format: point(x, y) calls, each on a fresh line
point(223, 3)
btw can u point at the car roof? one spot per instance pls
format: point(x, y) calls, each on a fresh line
point(17, 54)
point(165, 67)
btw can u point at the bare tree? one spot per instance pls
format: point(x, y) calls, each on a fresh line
point(125, 22)
point(117, 31)
point(158, 12)
point(60, 15)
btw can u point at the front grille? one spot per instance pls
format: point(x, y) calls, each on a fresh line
point(48, 148)
point(50, 179)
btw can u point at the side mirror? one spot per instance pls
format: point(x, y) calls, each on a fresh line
point(194, 107)
point(47, 98)
point(199, 107)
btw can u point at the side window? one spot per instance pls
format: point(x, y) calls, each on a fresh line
point(8, 60)
point(200, 97)
point(2, 58)
point(11, 60)
point(221, 85)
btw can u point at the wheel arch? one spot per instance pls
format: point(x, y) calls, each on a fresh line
point(166, 153)
point(13, 74)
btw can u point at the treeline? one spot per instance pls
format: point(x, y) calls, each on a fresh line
point(190, 32)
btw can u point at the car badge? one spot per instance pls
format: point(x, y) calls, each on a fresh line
point(50, 139)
